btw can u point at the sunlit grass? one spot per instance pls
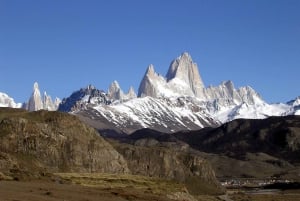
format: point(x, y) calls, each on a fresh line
point(105, 180)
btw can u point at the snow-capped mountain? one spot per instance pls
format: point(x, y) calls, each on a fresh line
point(7, 101)
point(167, 115)
point(83, 99)
point(178, 101)
point(36, 102)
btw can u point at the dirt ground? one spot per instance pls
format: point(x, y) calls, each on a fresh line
point(55, 191)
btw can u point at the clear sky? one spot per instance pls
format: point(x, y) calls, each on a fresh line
point(65, 45)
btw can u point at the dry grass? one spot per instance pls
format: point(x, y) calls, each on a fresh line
point(115, 181)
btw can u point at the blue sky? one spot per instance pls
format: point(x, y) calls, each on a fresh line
point(66, 45)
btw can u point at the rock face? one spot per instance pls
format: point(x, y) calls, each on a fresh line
point(55, 142)
point(184, 69)
point(36, 102)
point(168, 159)
point(183, 78)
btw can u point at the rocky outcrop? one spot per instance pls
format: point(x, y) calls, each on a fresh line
point(54, 142)
point(169, 160)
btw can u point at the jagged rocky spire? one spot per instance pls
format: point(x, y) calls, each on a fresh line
point(148, 86)
point(131, 93)
point(116, 93)
point(184, 69)
point(182, 79)
point(37, 103)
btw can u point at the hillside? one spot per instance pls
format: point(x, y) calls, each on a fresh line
point(43, 141)
point(241, 148)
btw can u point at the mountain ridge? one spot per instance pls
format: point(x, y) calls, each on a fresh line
point(181, 93)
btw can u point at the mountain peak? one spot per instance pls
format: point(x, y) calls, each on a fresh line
point(115, 84)
point(184, 69)
point(150, 70)
point(114, 91)
point(35, 101)
point(91, 87)
point(185, 56)
point(35, 86)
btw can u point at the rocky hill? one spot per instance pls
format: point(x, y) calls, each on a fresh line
point(53, 142)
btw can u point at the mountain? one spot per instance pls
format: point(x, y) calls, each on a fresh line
point(178, 101)
point(6, 101)
point(36, 102)
point(167, 115)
